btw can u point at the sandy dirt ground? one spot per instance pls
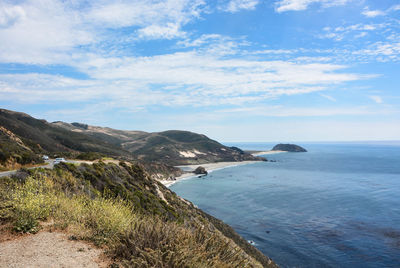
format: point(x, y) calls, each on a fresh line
point(49, 249)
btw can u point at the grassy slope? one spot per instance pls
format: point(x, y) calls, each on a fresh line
point(14, 154)
point(43, 137)
point(163, 146)
point(166, 147)
point(142, 223)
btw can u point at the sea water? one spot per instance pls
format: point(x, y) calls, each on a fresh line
point(338, 205)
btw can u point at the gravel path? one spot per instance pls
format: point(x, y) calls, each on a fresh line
point(47, 249)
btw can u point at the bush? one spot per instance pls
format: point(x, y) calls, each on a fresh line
point(90, 156)
point(133, 238)
point(26, 224)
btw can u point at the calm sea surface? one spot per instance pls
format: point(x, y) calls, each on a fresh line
point(336, 206)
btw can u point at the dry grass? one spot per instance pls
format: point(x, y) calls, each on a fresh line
point(134, 239)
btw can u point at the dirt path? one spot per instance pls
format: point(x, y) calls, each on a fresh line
point(47, 249)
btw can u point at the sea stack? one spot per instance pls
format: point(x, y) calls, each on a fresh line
point(200, 171)
point(289, 148)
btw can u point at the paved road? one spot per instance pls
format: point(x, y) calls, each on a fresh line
point(49, 164)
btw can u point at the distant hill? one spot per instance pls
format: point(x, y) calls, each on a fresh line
point(173, 147)
point(288, 148)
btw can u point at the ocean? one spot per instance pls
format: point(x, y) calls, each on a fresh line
point(338, 205)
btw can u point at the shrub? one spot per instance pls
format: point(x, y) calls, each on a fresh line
point(26, 224)
point(134, 238)
point(91, 156)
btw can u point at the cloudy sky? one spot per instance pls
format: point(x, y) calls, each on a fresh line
point(236, 70)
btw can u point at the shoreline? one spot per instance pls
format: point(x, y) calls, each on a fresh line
point(210, 167)
point(268, 152)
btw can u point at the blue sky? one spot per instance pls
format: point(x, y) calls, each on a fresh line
point(235, 70)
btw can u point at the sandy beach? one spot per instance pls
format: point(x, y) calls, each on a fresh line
point(209, 167)
point(213, 166)
point(268, 152)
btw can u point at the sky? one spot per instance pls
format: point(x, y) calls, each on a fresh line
point(235, 70)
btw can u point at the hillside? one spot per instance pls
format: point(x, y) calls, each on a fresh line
point(23, 139)
point(14, 152)
point(172, 147)
point(43, 137)
point(135, 219)
point(183, 147)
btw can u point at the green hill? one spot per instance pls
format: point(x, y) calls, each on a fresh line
point(174, 147)
point(158, 151)
point(44, 137)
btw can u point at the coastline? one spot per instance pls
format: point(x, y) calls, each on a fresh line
point(210, 167)
point(268, 152)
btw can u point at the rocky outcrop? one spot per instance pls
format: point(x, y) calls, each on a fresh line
point(200, 171)
point(289, 148)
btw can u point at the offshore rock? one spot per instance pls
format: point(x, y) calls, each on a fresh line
point(289, 148)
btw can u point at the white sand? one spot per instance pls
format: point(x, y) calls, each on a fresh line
point(168, 183)
point(210, 167)
point(268, 152)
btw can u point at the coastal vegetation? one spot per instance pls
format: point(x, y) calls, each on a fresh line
point(14, 153)
point(138, 221)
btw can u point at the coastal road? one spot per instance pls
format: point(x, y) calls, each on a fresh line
point(49, 164)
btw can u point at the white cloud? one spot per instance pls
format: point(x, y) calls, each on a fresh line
point(237, 5)
point(382, 51)
point(377, 99)
point(339, 33)
point(376, 13)
point(214, 44)
point(126, 13)
point(10, 15)
point(58, 32)
point(360, 35)
point(41, 32)
point(297, 5)
point(205, 39)
point(161, 32)
point(189, 78)
point(395, 8)
point(373, 13)
point(284, 111)
point(328, 97)
point(359, 27)
point(273, 51)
